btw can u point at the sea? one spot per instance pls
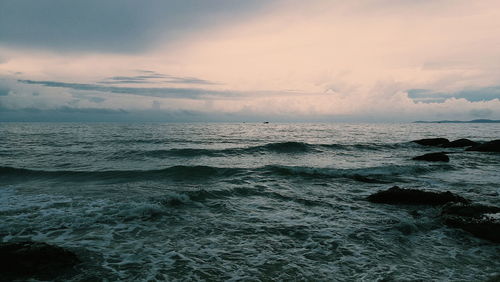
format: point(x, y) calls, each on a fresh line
point(245, 201)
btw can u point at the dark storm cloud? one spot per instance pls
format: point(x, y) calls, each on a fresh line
point(163, 92)
point(472, 95)
point(110, 25)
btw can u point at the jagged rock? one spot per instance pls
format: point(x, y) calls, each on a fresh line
point(479, 220)
point(21, 260)
point(433, 157)
point(396, 195)
point(436, 142)
point(492, 146)
point(460, 143)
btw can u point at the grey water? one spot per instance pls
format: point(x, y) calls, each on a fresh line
point(244, 201)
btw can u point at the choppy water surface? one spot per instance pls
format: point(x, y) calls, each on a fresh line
point(244, 201)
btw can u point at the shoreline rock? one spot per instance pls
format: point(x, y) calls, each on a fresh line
point(400, 196)
point(434, 142)
point(28, 259)
point(474, 219)
point(433, 157)
point(492, 146)
point(459, 143)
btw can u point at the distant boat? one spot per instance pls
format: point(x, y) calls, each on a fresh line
point(266, 122)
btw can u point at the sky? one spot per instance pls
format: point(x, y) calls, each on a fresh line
point(252, 60)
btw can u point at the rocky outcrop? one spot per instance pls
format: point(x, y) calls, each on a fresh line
point(436, 142)
point(433, 157)
point(460, 143)
point(492, 146)
point(479, 220)
point(396, 195)
point(22, 260)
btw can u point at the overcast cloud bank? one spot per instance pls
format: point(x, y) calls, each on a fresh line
point(375, 60)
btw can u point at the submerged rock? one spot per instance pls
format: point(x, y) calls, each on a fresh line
point(20, 260)
point(479, 220)
point(460, 143)
point(492, 146)
point(432, 142)
point(433, 157)
point(396, 195)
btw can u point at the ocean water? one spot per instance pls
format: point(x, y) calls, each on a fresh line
point(245, 201)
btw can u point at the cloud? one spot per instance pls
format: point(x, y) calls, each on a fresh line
point(111, 25)
point(472, 95)
point(93, 99)
point(480, 94)
point(359, 60)
point(96, 99)
point(72, 114)
point(156, 105)
point(4, 91)
point(60, 114)
point(154, 77)
point(188, 80)
point(163, 92)
point(481, 113)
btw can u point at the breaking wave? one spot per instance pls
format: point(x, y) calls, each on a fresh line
point(270, 148)
point(378, 174)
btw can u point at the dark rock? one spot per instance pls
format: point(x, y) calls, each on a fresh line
point(470, 210)
point(432, 142)
point(433, 157)
point(396, 195)
point(460, 143)
point(20, 260)
point(473, 219)
point(492, 146)
point(495, 278)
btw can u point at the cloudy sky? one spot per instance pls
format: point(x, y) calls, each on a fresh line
point(249, 60)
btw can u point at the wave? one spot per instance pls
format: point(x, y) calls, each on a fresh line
point(288, 147)
point(280, 147)
point(176, 199)
point(174, 172)
point(380, 174)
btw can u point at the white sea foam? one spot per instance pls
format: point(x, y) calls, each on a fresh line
point(265, 213)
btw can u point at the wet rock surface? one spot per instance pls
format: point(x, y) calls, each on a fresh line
point(479, 220)
point(460, 143)
point(492, 146)
point(433, 157)
point(436, 142)
point(22, 260)
point(397, 195)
